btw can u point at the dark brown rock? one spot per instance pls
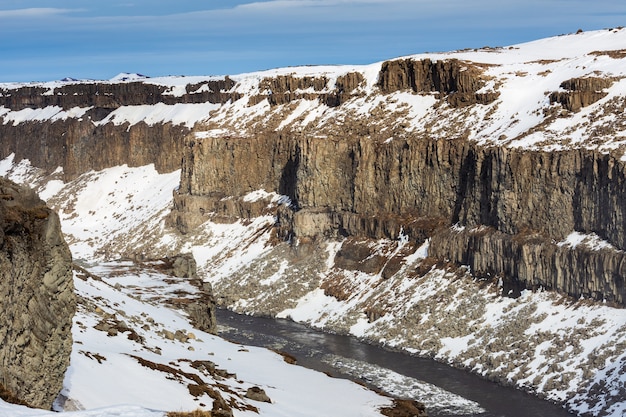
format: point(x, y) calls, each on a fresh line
point(357, 256)
point(581, 92)
point(111, 95)
point(457, 80)
point(532, 260)
point(77, 145)
point(361, 187)
point(36, 297)
point(257, 394)
point(283, 89)
point(405, 408)
point(200, 308)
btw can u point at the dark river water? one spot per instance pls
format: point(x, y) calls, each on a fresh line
point(445, 391)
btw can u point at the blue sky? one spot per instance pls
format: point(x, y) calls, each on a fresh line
point(42, 40)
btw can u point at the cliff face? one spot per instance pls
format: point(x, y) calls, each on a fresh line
point(459, 81)
point(375, 168)
point(409, 146)
point(107, 96)
point(421, 187)
point(92, 126)
point(79, 146)
point(36, 297)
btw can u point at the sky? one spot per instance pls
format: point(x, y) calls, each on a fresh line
point(43, 40)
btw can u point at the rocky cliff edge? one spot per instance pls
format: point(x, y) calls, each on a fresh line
point(36, 298)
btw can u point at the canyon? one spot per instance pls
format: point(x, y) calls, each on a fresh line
point(369, 200)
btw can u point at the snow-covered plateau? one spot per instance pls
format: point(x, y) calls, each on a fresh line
point(570, 350)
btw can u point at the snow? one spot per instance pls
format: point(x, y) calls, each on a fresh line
point(140, 298)
point(99, 214)
point(6, 164)
point(260, 195)
point(50, 113)
point(435, 398)
point(590, 240)
point(125, 76)
point(121, 211)
point(179, 114)
point(523, 75)
point(186, 114)
point(11, 410)
point(105, 372)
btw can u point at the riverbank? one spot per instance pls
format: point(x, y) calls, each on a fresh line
point(445, 390)
point(566, 351)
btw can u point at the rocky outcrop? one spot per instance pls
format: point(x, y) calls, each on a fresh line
point(581, 92)
point(36, 297)
point(405, 408)
point(535, 262)
point(283, 89)
point(458, 80)
point(201, 306)
point(79, 146)
point(257, 394)
point(111, 95)
point(414, 179)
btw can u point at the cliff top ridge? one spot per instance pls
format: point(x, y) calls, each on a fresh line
point(550, 94)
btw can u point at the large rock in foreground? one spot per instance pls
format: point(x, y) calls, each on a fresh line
point(36, 297)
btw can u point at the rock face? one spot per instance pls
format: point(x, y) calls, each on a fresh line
point(105, 96)
point(200, 307)
point(283, 89)
point(459, 81)
point(409, 147)
point(581, 92)
point(80, 144)
point(360, 187)
point(476, 165)
point(36, 297)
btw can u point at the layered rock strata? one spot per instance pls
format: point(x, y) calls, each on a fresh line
point(420, 187)
point(107, 96)
point(458, 81)
point(92, 142)
point(81, 144)
point(36, 297)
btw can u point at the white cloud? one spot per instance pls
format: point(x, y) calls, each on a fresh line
point(34, 12)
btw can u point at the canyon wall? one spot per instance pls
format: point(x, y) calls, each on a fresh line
point(84, 143)
point(106, 96)
point(370, 174)
point(79, 146)
point(412, 178)
point(420, 187)
point(36, 298)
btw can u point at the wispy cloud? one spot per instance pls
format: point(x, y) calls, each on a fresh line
point(34, 12)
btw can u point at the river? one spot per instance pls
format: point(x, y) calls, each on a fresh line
point(446, 391)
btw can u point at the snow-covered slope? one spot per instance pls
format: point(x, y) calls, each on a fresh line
point(132, 347)
point(570, 351)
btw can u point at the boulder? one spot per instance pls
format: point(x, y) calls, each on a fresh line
point(257, 394)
